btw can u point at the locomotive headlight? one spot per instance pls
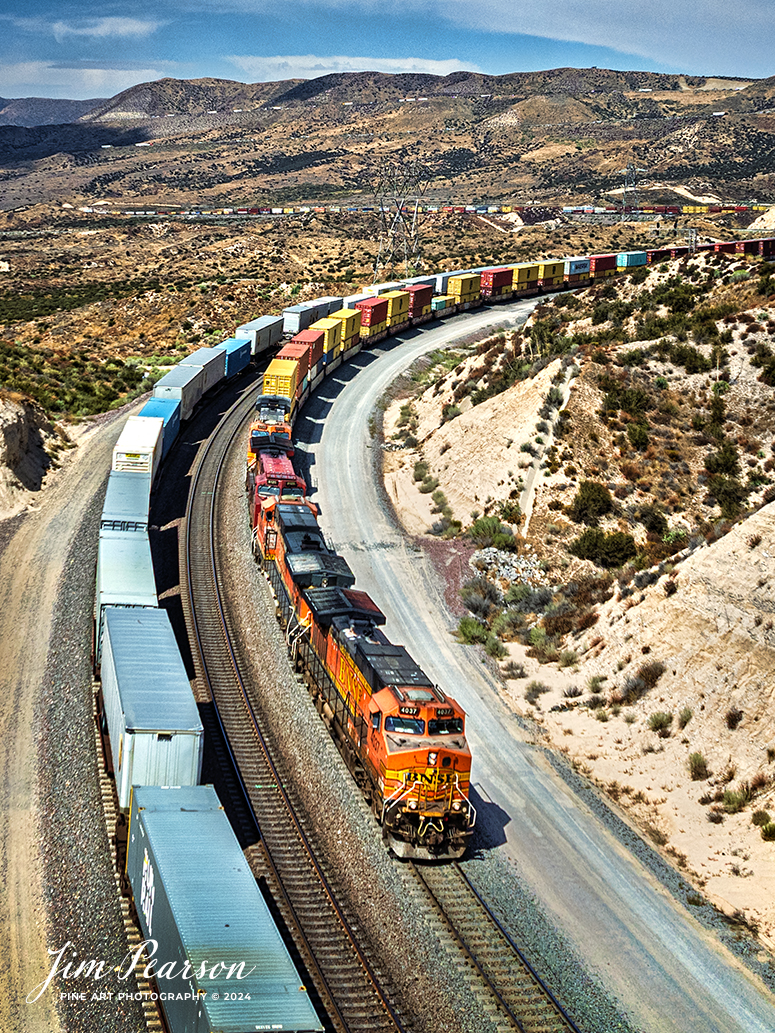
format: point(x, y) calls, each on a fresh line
point(457, 805)
point(412, 805)
point(432, 758)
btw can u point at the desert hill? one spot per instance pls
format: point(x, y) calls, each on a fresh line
point(37, 111)
point(221, 143)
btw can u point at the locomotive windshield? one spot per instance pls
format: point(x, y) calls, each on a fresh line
point(447, 726)
point(407, 725)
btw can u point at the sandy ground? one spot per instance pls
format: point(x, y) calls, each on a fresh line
point(30, 568)
point(714, 636)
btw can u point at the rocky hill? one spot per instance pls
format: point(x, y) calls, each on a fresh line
point(42, 111)
point(555, 136)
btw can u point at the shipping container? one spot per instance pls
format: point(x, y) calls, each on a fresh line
point(465, 286)
point(198, 900)
point(441, 302)
point(139, 446)
point(282, 378)
point(526, 275)
point(124, 577)
point(378, 289)
point(495, 282)
point(169, 411)
point(398, 307)
point(212, 362)
point(184, 384)
point(332, 337)
point(127, 501)
point(330, 303)
point(373, 311)
point(442, 280)
point(602, 265)
point(299, 317)
point(631, 259)
point(315, 339)
point(238, 351)
point(352, 299)
point(298, 352)
point(551, 273)
point(156, 735)
point(263, 333)
point(420, 296)
point(373, 330)
point(350, 318)
point(576, 266)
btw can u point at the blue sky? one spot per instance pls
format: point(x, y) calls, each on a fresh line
point(79, 50)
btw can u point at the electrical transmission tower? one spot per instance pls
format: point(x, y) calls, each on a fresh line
point(398, 186)
point(630, 187)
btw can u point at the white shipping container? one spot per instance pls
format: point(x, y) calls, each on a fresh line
point(183, 383)
point(156, 735)
point(262, 333)
point(139, 446)
point(124, 577)
point(212, 362)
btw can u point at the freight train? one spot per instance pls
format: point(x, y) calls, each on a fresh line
point(403, 737)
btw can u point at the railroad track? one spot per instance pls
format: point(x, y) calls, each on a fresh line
point(496, 964)
point(344, 981)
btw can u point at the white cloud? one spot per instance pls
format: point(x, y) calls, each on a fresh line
point(102, 27)
point(28, 78)
point(99, 28)
point(310, 66)
point(701, 35)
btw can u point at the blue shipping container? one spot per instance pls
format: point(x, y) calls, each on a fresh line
point(198, 900)
point(169, 410)
point(237, 355)
point(627, 259)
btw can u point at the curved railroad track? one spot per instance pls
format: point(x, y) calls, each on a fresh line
point(495, 961)
point(343, 978)
point(494, 967)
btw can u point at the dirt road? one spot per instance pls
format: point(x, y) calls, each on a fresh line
point(31, 567)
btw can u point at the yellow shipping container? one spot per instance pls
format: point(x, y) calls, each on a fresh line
point(332, 333)
point(525, 272)
point(551, 272)
point(469, 284)
point(398, 305)
point(350, 319)
point(281, 378)
point(372, 331)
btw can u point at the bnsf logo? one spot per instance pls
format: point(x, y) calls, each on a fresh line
point(430, 778)
point(147, 892)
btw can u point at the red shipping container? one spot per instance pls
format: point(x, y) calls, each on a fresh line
point(600, 262)
point(315, 340)
point(494, 280)
point(373, 311)
point(420, 296)
point(299, 351)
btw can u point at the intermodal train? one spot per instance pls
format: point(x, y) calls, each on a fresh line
point(403, 736)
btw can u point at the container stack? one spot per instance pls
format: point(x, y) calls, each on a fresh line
point(398, 308)
point(465, 288)
point(238, 352)
point(577, 269)
point(140, 445)
point(332, 338)
point(602, 266)
point(497, 282)
point(281, 379)
point(420, 298)
point(551, 273)
point(525, 276)
point(314, 341)
point(350, 319)
point(263, 333)
point(212, 362)
point(631, 259)
point(373, 317)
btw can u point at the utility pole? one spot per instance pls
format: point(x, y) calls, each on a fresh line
point(630, 187)
point(398, 187)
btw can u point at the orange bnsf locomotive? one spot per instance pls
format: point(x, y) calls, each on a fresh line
point(401, 736)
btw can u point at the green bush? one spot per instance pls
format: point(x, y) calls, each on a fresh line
point(534, 690)
point(660, 721)
point(428, 485)
point(684, 717)
point(489, 531)
point(495, 648)
point(698, 767)
point(760, 818)
point(421, 470)
point(606, 550)
point(768, 832)
point(725, 460)
point(592, 501)
point(638, 436)
point(735, 800)
point(471, 631)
